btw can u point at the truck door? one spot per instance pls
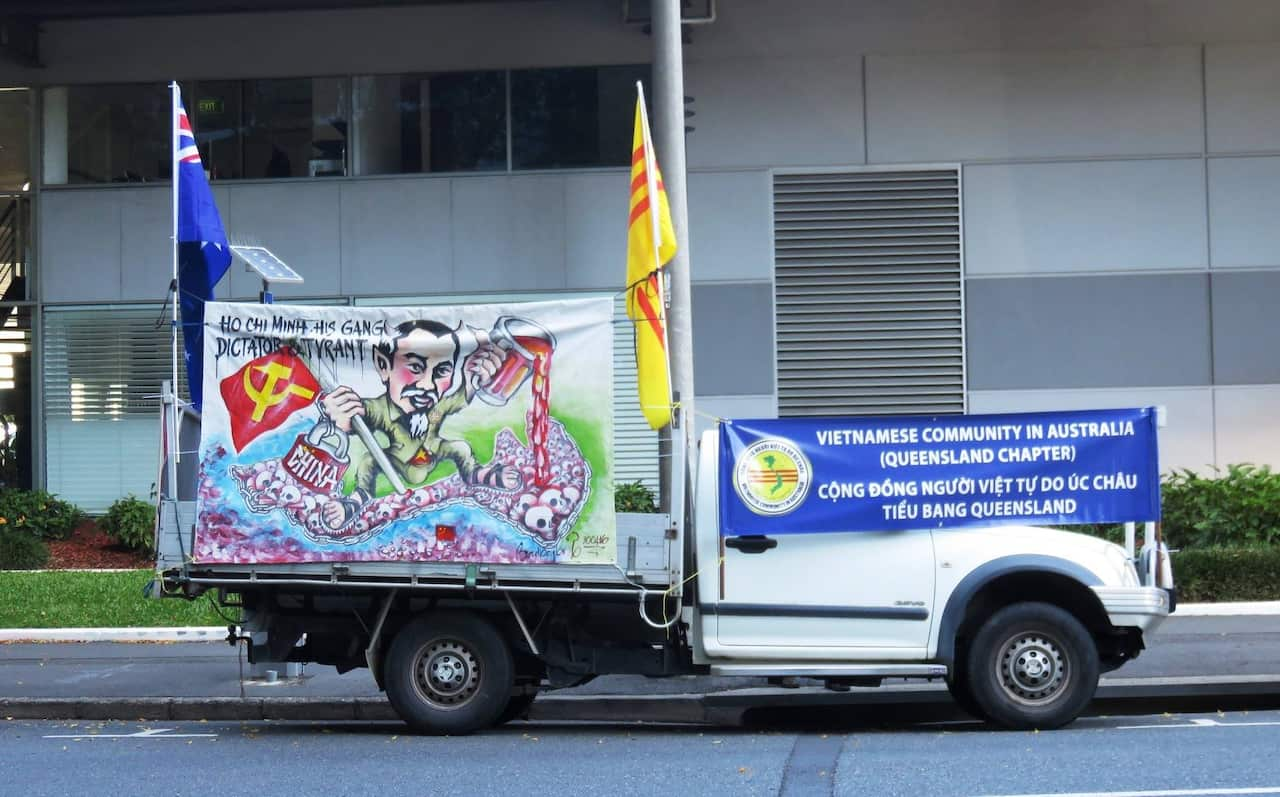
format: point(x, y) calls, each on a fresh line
point(869, 593)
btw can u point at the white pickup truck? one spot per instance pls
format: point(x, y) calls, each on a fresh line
point(1018, 621)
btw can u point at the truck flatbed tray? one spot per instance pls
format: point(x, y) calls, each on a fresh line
point(646, 552)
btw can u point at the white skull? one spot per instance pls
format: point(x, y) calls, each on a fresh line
point(554, 500)
point(261, 479)
point(538, 519)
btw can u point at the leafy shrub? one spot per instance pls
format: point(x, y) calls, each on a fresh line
point(634, 497)
point(22, 550)
point(1241, 507)
point(1227, 574)
point(132, 523)
point(39, 513)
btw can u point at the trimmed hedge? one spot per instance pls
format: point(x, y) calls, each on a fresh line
point(1227, 574)
point(1238, 508)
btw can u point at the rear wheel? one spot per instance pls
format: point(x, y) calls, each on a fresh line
point(1032, 665)
point(449, 673)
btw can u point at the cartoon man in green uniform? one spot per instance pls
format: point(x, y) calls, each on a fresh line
point(419, 368)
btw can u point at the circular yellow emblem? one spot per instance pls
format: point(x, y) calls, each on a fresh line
point(771, 476)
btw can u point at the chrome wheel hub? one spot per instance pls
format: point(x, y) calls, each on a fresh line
point(447, 674)
point(1033, 669)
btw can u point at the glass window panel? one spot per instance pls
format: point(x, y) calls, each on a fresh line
point(15, 136)
point(215, 110)
point(578, 116)
point(450, 122)
point(295, 127)
point(467, 126)
point(15, 245)
point(103, 368)
point(117, 133)
point(15, 397)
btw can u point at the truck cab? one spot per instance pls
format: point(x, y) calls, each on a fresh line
point(1019, 621)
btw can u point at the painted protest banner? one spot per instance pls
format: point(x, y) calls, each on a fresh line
point(885, 474)
point(480, 433)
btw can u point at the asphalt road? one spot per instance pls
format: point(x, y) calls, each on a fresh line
point(1183, 646)
point(1243, 645)
point(1215, 754)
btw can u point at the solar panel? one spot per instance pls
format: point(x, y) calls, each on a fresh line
point(267, 265)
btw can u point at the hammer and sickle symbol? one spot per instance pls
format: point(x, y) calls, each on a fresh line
point(266, 396)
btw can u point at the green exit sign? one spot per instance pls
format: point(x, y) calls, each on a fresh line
point(210, 105)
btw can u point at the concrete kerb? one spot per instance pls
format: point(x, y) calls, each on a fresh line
point(895, 704)
point(1239, 609)
point(565, 708)
point(186, 634)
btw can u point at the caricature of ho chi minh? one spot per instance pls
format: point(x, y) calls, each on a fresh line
point(419, 367)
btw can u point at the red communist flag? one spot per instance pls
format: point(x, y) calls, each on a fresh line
point(265, 392)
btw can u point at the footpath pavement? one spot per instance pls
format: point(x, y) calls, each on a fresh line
point(1202, 659)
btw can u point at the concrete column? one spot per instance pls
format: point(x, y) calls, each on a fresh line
point(668, 135)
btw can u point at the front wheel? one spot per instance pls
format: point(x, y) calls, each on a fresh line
point(961, 688)
point(1032, 665)
point(449, 673)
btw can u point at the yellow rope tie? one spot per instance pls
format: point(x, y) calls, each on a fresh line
point(666, 593)
point(709, 416)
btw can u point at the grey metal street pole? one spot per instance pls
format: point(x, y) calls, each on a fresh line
point(668, 104)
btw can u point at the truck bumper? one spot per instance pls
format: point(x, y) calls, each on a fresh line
point(1144, 608)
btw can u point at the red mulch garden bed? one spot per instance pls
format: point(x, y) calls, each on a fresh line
point(90, 547)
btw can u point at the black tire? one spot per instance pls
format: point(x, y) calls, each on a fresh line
point(449, 673)
point(961, 692)
point(1032, 665)
point(517, 708)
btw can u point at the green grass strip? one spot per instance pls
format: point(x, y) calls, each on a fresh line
point(65, 599)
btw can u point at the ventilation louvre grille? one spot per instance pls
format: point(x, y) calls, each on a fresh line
point(868, 283)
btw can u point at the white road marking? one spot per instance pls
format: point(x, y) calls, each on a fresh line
point(1161, 793)
point(150, 733)
point(1201, 723)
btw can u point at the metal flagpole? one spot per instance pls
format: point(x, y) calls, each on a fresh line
point(173, 288)
point(668, 97)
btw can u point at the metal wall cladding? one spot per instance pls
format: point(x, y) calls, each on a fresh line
point(868, 281)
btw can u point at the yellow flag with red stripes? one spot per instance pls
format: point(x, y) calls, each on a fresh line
point(651, 242)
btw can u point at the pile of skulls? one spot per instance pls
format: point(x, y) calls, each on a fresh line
point(541, 512)
point(473, 544)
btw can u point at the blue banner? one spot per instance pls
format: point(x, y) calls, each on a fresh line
point(792, 476)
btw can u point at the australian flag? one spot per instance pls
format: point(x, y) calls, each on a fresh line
point(203, 253)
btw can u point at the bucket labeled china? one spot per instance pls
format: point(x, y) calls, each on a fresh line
point(315, 461)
